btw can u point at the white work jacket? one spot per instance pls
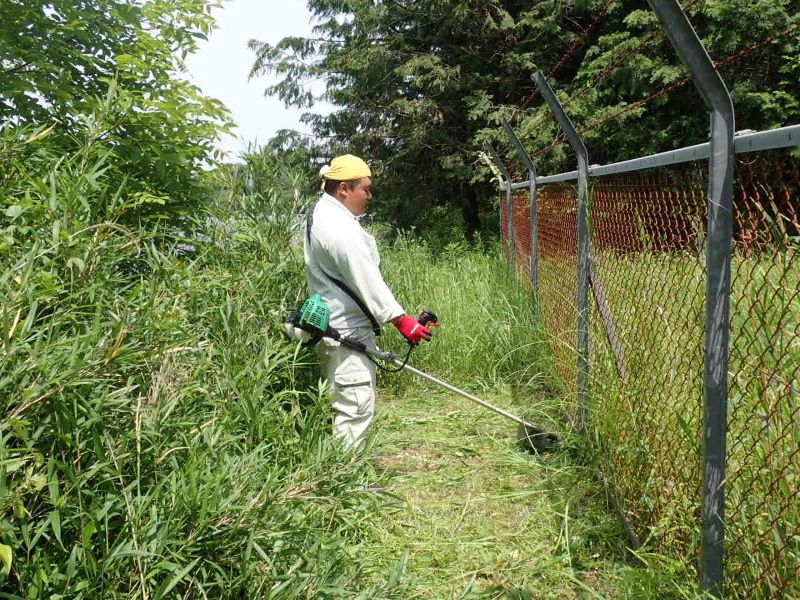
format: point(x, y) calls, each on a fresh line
point(339, 247)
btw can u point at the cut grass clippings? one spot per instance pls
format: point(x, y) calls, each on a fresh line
point(477, 517)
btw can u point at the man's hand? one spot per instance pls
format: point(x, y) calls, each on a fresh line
point(412, 330)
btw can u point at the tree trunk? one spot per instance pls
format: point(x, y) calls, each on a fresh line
point(469, 210)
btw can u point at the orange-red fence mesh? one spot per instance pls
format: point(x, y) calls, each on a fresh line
point(648, 232)
point(557, 269)
point(763, 465)
point(646, 267)
point(522, 231)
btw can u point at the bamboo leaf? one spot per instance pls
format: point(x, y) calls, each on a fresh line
point(6, 557)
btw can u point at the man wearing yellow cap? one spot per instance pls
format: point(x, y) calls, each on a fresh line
point(342, 266)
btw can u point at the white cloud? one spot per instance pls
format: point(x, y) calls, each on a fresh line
point(221, 66)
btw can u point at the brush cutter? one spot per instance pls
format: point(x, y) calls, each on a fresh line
point(310, 323)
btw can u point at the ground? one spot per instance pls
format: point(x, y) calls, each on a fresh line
point(469, 514)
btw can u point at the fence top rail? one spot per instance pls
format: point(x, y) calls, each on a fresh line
point(746, 141)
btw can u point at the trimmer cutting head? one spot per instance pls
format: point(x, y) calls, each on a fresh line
point(533, 439)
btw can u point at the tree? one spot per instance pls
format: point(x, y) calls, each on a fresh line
point(631, 96)
point(61, 59)
point(421, 84)
point(407, 76)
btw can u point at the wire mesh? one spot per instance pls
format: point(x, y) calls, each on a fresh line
point(557, 270)
point(504, 226)
point(522, 232)
point(648, 283)
point(646, 353)
point(763, 508)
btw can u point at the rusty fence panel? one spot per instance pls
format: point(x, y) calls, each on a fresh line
point(557, 276)
point(763, 506)
point(648, 239)
point(646, 353)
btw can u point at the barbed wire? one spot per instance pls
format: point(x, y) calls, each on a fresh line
point(571, 50)
point(604, 74)
point(578, 43)
point(655, 35)
point(669, 88)
point(608, 71)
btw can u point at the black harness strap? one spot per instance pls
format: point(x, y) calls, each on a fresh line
point(376, 328)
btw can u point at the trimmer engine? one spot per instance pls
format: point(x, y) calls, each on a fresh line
point(310, 322)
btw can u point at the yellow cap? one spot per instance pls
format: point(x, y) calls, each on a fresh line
point(345, 168)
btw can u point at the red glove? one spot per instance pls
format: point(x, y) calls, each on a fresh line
point(412, 330)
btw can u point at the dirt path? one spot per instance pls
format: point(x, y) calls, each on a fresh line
point(476, 517)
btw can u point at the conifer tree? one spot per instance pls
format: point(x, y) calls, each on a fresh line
point(419, 85)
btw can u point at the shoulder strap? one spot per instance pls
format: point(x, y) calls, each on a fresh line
point(310, 222)
point(376, 328)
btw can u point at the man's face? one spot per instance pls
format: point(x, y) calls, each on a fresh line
point(356, 198)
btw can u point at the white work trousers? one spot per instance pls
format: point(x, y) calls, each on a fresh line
point(351, 376)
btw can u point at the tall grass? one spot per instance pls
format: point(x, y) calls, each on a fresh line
point(489, 333)
point(159, 437)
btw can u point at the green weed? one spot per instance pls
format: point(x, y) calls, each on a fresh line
point(159, 437)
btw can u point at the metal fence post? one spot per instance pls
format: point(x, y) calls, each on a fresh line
point(718, 284)
point(512, 244)
point(525, 157)
point(583, 241)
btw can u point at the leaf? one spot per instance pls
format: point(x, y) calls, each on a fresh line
point(12, 465)
point(76, 262)
point(38, 482)
point(14, 211)
point(690, 435)
point(464, 452)
point(55, 522)
point(20, 427)
point(6, 558)
point(41, 134)
point(177, 579)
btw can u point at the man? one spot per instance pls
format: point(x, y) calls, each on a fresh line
point(342, 267)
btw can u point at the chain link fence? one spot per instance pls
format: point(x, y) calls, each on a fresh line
point(647, 279)
point(557, 272)
point(763, 455)
point(647, 386)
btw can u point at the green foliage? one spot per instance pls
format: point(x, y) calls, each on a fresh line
point(111, 67)
point(419, 86)
point(159, 437)
point(489, 332)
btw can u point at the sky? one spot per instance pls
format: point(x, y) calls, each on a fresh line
point(221, 66)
